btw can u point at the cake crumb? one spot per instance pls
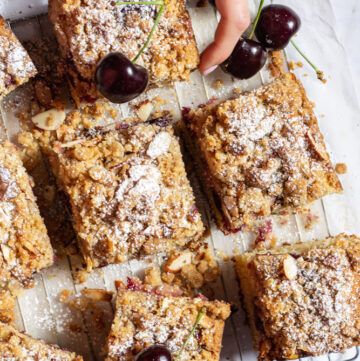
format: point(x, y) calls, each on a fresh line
point(218, 84)
point(64, 296)
point(340, 168)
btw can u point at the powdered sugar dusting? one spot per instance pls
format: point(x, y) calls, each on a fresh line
point(317, 311)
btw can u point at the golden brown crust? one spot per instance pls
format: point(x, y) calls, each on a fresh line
point(7, 306)
point(127, 188)
point(17, 346)
point(25, 246)
point(303, 299)
point(262, 152)
point(16, 67)
point(143, 319)
point(171, 55)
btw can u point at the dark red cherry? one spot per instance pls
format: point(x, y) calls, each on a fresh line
point(118, 79)
point(247, 58)
point(154, 353)
point(276, 25)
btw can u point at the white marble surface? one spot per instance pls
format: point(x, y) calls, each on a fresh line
point(347, 15)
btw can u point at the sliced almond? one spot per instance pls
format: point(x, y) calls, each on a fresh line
point(319, 148)
point(49, 120)
point(159, 145)
point(176, 263)
point(97, 294)
point(290, 268)
point(144, 111)
point(7, 253)
point(72, 143)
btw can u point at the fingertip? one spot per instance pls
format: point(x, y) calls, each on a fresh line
point(209, 70)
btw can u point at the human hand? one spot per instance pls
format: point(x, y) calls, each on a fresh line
point(234, 21)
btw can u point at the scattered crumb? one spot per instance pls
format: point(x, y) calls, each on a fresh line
point(81, 276)
point(218, 84)
point(276, 63)
point(237, 91)
point(97, 295)
point(152, 276)
point(64, 296)
point(292, 65)
point(340, 168)
point(196, 271)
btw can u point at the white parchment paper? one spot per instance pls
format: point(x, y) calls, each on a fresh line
point(39, 311)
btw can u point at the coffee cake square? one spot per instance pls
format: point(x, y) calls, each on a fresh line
point(304, 299)
point(261, 153)
point(87, 31)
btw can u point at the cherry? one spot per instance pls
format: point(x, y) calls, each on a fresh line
point(247, 58)
point(276, 25)
point(154, 353)
point(118, 79)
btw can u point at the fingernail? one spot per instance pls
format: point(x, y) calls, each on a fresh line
point(210, 70)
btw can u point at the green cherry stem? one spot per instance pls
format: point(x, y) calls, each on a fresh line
point(199, 317)
point(319, 73)
point(256, 19)
point(156, 22)
point(140, 3)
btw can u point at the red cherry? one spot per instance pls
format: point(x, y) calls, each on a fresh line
point(276, 26)
point(154, 353)
point(247, 58)
point(118, 79)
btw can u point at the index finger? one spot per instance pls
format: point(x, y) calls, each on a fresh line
point(234, 21)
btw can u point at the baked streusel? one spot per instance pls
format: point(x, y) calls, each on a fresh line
point(89, 30)
point(16, 67)
point(144, 318)
point(304, 299)
point(17, 346)
point(25, 246)
point(261, 153)
point(127, 188)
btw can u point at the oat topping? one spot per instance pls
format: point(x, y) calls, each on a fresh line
point(262, 152)
point(127, 189)
point(16, 66)
point(17, 346)
point(87, 31)
point(144, 318)
point(25, 246)
point(305, 297)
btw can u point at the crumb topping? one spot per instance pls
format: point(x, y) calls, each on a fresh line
point(89, 30)
point(127, 190)
point(263, 152)
point(316, 310)
point(16, 66)
point(143, 319)
point(25, 246)
point(16, 346)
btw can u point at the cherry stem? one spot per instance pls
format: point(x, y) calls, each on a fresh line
point(256, 19)
point(160, 2)
point(199, 317)
point(319, 73)
point(156, 22)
